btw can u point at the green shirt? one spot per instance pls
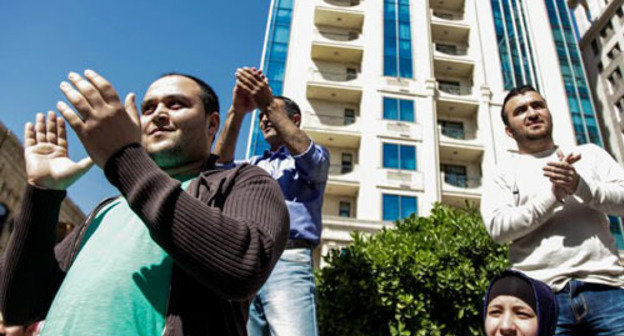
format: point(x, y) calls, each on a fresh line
point(119, 283)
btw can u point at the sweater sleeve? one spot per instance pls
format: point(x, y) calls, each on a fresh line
point(504, 220)
point(33, 269)
point(231, 250)
point(603, 188)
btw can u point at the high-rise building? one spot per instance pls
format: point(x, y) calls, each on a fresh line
point(600, 28)
point(406, 95)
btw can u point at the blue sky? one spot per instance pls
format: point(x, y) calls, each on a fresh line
point(129, 42)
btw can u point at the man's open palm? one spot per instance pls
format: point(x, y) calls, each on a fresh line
point(45, 151)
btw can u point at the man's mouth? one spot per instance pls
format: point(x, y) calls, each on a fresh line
point(158, 131)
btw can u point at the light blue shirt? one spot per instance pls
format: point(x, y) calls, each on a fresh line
point(302, 179)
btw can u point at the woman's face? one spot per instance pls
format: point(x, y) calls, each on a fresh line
point(508, 315)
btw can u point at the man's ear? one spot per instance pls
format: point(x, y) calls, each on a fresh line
point(214, 119)
point(510, 132)
point(296, 119)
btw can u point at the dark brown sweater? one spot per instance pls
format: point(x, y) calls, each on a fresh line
point(224, 234)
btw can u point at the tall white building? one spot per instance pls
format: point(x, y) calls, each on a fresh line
point(601, 30)
point(407, 94)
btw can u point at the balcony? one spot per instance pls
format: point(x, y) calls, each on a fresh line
point(343, 180)
point(449, 49)
point(338, 229)
point(458, 137)
point(456, 108)
point(445, 66)
point(455, 90)
point(459, 189)
point(447, 5)
point(332, 130)
point(456, 150)
point(339, 16)
point(452, 17)
point(337, 46)
point(449, 31)
point(334, 86)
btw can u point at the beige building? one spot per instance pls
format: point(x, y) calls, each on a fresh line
point(12, 184)
point(601, 29)
point(406, 95)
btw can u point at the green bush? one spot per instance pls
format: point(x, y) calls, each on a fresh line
point(427, 276)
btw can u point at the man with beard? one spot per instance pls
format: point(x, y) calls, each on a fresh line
point(181, 252)
point(551, 204)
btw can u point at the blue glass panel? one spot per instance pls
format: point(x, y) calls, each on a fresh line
point(408, 157)
point(404, 13)
point(405, 66)
point(390, 66)
point(390, 46)
point(407, 110)
point(281, 34)
point(283, 16)
point(408, 206)
point(279, 51)
point(405, 48)
point(276, 70)
point(390, 207)
point(390, 156)
point(404, 31)
point(390, 109)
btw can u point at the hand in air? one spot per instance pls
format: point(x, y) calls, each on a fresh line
point(48, 165)
point(106, 125)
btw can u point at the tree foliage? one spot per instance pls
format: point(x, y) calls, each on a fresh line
point(426, 276)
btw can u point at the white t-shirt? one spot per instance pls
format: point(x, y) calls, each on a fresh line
point(555, 242)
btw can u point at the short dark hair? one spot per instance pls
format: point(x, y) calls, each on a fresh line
point(291, 107)
point(518, 90)
point(209, 98)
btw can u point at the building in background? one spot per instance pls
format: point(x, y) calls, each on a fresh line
point(406, 95)
point(600, 27)
point(12, 184)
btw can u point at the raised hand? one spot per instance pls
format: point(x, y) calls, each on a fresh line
point(256, 85)
point(45, 151)
point(106, 125)
point(241, 100)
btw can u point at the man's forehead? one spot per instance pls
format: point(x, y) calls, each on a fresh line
point(527, 97)
point(172, 85)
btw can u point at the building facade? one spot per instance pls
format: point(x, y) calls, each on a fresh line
point(12, 184)
point(406, 95)
point(600, 28)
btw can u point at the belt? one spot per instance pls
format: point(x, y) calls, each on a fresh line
point(298, 243)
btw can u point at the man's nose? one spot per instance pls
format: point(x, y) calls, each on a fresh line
point(161, 114)
point(532, 113)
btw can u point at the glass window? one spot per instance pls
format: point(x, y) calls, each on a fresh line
point(398, 207)
point(455, 175)
point(349, 116)
point(390, 108)
point(399, 156)
point(398, 109)
point(397, 39)
point(344, 209)
point(391, 156)
point(406, 110)
point(346, 165)
point(453, 129)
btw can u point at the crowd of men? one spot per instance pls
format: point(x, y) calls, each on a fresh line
point(200, 244)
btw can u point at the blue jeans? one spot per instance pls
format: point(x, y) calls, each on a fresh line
point(285, 305)
point(590, 309)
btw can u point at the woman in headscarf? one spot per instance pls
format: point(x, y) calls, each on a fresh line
point(518, 305)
